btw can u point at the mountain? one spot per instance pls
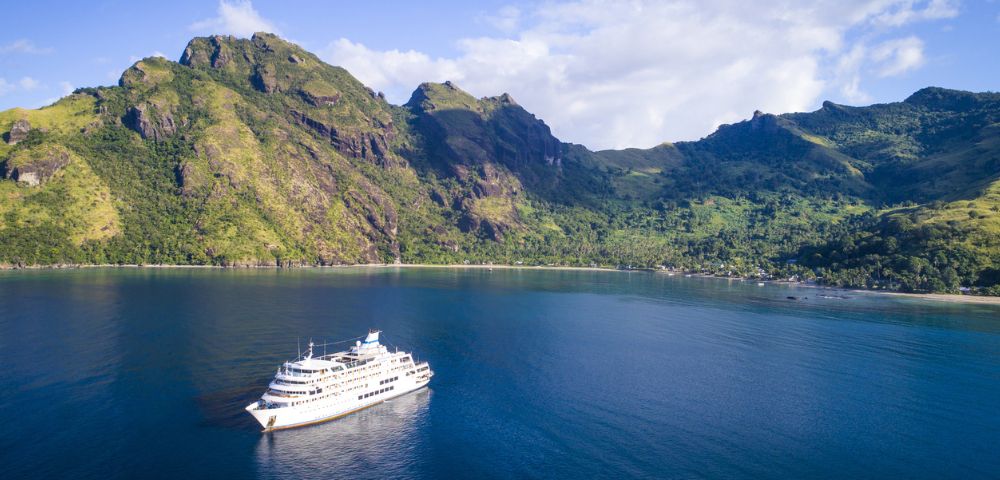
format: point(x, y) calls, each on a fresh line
point(255, 152)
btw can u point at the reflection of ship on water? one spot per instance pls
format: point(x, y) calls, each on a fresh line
point(383, 436)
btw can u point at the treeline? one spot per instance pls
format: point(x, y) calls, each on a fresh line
point(898, 253)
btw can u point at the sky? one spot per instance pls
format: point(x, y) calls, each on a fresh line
point(605, 74)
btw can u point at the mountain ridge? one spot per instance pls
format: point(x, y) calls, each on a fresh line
point(255, 152)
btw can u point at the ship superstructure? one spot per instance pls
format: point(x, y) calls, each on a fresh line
point(314, 389)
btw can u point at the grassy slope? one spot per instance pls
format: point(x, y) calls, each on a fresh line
point(260, 153)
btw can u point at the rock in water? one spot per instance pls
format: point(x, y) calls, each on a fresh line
point(18, 132)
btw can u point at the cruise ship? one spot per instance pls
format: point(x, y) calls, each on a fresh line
point(314, 389)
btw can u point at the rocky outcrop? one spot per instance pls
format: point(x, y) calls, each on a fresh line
point(493, 183)
point(223, 54)
point(216, 52)
point(520, 137)
point(40, 168)
point(764, 121)
point(185, 174)
point(150, 122)
point(320, 100)
point(475, 131)
point(18, 132)
point(493, 230)
point(264, 78)
point(488, 207)
point(373, 146)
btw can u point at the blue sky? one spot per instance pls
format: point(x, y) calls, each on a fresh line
point(605, 74)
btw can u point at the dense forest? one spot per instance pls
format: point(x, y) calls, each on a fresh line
point(255, 152)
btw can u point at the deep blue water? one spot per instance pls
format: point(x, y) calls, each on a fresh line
point(543, 374)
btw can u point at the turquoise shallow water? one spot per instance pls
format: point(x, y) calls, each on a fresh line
point(544, 374)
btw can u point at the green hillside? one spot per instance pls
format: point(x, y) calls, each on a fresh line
point(255, 152)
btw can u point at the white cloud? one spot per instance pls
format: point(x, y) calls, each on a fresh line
point(236, 18)
point(135, 58)
point(898, 56)
point(25, 84)
point(24, 46)
point(903, 12)
point(507, 19)
point(616, 74)
point(391, 68)
point(848, 74)
point(65, 88)
point(28, 83)
point(612, 74)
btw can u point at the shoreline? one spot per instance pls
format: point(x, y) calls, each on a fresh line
point(938, 297)
point(4, 267)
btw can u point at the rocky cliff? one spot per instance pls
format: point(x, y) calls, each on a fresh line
point(256, 152)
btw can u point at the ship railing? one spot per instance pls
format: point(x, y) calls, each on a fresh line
point(283, 381)
point(276, 393)
point(355, 363)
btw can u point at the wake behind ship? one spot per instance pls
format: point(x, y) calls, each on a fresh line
point(316, 389)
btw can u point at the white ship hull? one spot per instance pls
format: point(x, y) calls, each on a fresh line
point(301, 415)
point(313, 390)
